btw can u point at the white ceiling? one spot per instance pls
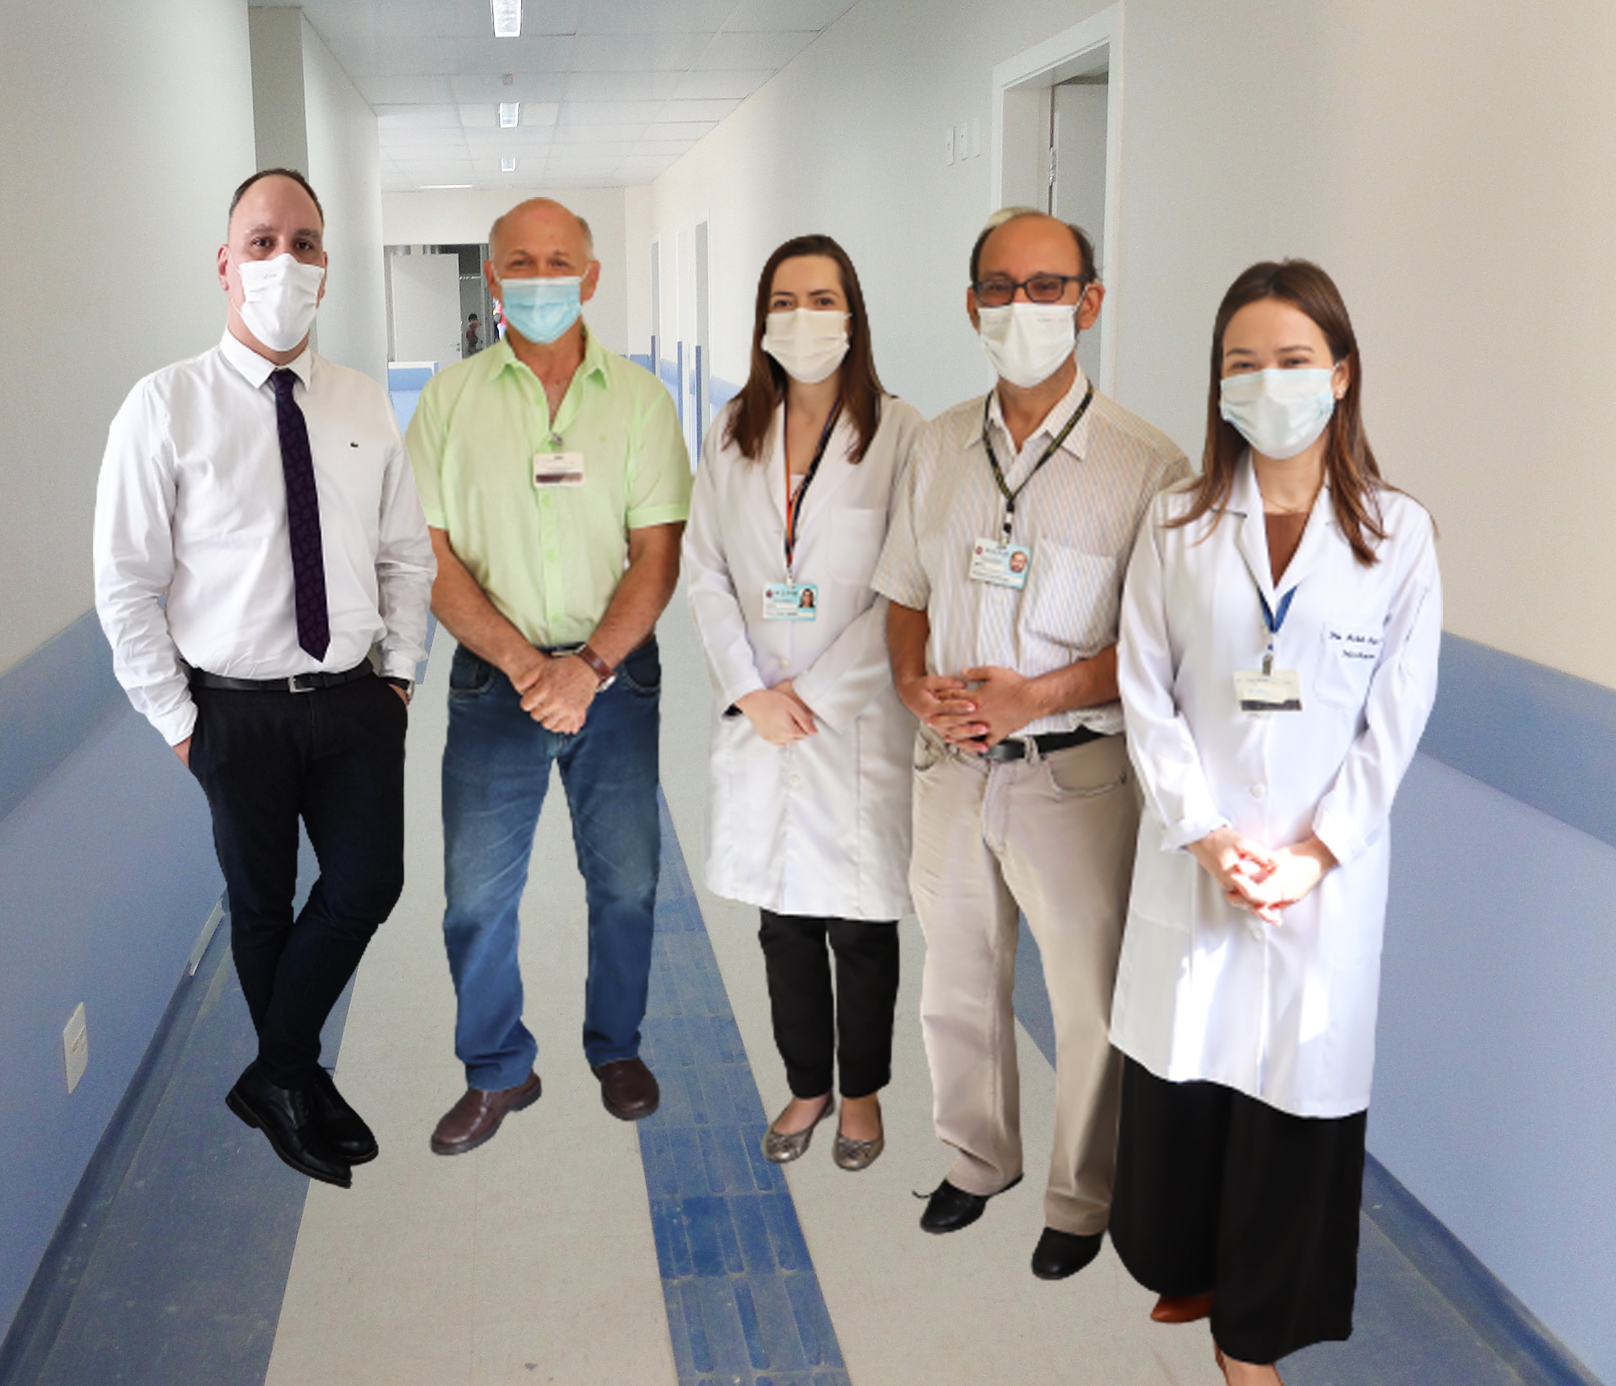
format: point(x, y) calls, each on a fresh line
point(612, 91)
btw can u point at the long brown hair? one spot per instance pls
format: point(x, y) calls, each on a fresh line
point(753, 415)
point(1349, 462)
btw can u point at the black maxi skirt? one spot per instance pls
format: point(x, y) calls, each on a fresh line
point(1218, 1192)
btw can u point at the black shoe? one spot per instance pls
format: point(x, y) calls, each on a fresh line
point(1060, 1254)
point(343, 1128)
point(949, 1209)
point(286, 1117)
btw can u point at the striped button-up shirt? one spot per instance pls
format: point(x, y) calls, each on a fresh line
point(1078, 516)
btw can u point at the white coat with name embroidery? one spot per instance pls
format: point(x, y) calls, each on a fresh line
point(820, 827)
point(1284, 1013)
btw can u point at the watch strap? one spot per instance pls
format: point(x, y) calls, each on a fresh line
point(603, 670)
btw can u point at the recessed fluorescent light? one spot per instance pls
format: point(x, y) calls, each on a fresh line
point(440, 187)
point(510, 114)
point(507, 165)
point(507, 18)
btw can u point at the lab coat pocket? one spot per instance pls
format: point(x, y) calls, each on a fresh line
point(1347, 660)
point(1072, 598)
point(1164, 884)
point(855, 545)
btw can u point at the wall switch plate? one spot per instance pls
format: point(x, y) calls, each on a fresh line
point(976, 137)
point(76, 1046)
point(962, 140)
point(948, 145)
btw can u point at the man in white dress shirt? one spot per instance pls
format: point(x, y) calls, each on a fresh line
point(1004, 567)
point(257, 536)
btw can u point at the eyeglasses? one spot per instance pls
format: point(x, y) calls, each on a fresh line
point(997, 291)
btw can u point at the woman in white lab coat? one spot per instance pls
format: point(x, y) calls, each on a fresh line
point(1277, 661)
point(808, 793)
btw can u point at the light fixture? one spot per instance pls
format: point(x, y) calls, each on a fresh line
point(507, 165)
point(510, 114)
point(507, 18)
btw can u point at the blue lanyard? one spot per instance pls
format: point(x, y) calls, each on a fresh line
point(1273, 623)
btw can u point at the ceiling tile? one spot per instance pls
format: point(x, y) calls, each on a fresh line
point(653, 16)
point(754, 15)
point(728, 52)
point(621, 86)
point(705, 111)
point(687, 130)
point(583, 134)
point(712, 85)
point(674, 147)
point(523, 86)
point(417, 117)
point(609, 112)
point(410, 89)
point(638, 52)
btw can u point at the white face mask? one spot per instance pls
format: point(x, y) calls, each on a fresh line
point(1028, 342)
point(278, 299)
point(1279, 412)
point(809, 343)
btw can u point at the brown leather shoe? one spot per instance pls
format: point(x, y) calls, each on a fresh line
point(1182, 1308)
point(628, 1089)
point(475, 1119)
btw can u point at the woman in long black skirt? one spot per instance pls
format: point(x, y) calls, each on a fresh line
point(1277, 662)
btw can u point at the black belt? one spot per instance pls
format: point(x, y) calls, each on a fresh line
point(296, 683)
point(1015, 748)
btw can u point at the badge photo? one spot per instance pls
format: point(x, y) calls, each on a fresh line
point(1002, 565)
point(791, 601)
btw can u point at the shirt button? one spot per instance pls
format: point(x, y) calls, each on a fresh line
point(1258, 790)
point(795, 781)
point(550, 554)
point(784, 662)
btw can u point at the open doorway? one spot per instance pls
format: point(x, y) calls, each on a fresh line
point(1056, 128)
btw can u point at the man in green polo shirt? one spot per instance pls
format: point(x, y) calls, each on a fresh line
point(556, 484)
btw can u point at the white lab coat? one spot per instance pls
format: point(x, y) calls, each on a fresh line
point(820, 827)
point(1285, 1014)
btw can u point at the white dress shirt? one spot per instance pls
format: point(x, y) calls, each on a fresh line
point(193, 557)
point(1205, 991)
point(1078, 516)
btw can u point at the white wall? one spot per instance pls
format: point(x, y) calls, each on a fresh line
point(453, 217)
point(126, 128)
point(1475, 261)
point(344, 153)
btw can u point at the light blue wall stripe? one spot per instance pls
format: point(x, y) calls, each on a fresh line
point(1540, 736)
point(744, 1305)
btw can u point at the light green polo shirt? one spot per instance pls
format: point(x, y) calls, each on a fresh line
point(549, 558)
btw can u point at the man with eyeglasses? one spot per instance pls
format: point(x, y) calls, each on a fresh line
point(1004, 567)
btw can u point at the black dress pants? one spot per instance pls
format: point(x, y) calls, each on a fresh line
point(817, 1031)
point(1219, 1192)
point(334, 758)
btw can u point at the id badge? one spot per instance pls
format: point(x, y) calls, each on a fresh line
point(1279, 691)
point(790, 601)
point(558, 469)
point(1003, 565)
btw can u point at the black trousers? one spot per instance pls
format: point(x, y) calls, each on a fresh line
point(816, 1031)
point(1219, 1192)
point(335, 759)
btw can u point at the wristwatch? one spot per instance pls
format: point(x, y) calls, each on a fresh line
point(603, 671)
point(406, 686)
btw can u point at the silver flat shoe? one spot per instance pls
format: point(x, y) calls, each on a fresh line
point(857, 1155)
point(783, 1149)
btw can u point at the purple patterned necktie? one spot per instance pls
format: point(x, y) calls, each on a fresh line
point(302, 520)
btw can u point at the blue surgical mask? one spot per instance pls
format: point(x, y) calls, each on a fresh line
point(1279, 412)
point(541, 309)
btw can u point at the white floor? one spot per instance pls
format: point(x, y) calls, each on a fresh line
point(532, 1259)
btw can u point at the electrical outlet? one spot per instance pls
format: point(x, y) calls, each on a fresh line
point(76, 1046)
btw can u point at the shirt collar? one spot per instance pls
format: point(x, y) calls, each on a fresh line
point(1055, 420)
point(593, 364)
point(255, 369)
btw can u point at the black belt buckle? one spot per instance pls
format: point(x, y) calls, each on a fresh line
point(1011, 748)
point(293, 686)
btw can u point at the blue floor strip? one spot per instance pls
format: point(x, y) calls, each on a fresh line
point(744, 1305)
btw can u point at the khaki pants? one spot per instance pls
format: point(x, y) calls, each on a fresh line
point(1053, 836)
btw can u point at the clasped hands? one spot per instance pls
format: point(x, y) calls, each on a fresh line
point(1264, 882)
point(779, 715)
point(556, 690)
point(976, 708)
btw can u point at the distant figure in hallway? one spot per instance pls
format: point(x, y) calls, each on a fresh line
point(474, 335)
point(808, 798)
point(1278, 662)
point(1004, 569)
point(257, 541)
point(556, 484)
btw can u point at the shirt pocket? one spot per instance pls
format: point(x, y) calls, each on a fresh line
point(853, 544)
point(1071, 598)
point(1348, 658)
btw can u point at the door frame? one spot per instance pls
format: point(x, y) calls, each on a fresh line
point(1045, 64)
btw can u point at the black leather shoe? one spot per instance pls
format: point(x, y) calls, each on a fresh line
point(286, 1117)
point(949, 1209)
point(343, 1128)
point(1060, 1254)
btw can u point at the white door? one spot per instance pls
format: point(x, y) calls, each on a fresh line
point(426, 308)
point(1077, 190)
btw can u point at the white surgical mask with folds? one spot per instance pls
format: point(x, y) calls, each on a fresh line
point(1028, 342)
point(809, 343)
point(1279, 412)
point(279, 298)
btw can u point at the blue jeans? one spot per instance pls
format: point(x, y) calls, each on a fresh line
point(496, 768)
